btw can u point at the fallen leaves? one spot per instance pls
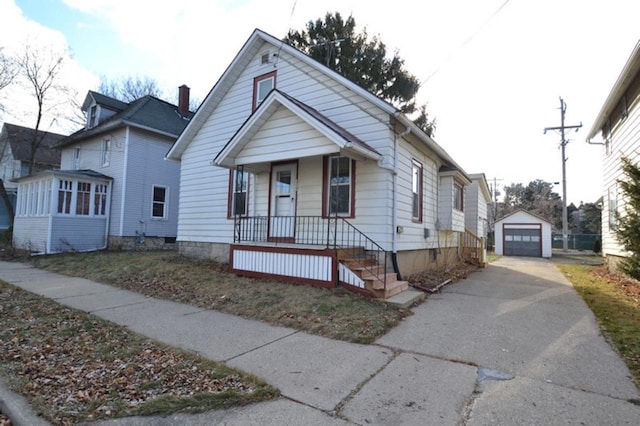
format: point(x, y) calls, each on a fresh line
point(82, 368)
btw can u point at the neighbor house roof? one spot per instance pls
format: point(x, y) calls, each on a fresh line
point(629, 72)
point(86, 173)
point(147, 113)
point(19, 138)
point(254, 45)
point(106, 101)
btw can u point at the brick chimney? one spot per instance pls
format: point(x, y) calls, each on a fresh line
point(183, 100)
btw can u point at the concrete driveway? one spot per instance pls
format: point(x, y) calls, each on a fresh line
point(511, 344)
point(523, 321)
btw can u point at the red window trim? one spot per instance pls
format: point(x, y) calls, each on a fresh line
point(230, 214)
point(325, 188)
point(420, 217)
point(257, 80)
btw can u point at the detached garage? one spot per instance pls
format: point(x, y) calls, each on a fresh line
point(523, 234)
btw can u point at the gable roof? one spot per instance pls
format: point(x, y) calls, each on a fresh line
point(103, 100)
point(250, 48)
point(482, 184)
point(19, 139)
point(147, 113)
point(503, 218)
point(626, 77)
point(277, 98)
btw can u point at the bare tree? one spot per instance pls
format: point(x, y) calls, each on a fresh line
point(40, 71)
point(8, 69)
point(130, 88)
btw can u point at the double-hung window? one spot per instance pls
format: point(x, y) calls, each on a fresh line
point(262, 85)
point(338, 187)
point(65, 191)
point(458, 196)
point(613, 206)
point(159, 204)
point(238, 193)
point(83, 200)
point(417, 191)
point(105, 152)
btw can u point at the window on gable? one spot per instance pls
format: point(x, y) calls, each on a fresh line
point(417, 191)
point(262, 85)
point(458, 196)
point(159, 204)
point(105, 152)
point(93, 116)
point(339, 186)
point(83, 200)
point(238, 193)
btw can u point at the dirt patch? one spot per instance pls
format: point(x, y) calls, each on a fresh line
point(432, 280)
point(628, 285)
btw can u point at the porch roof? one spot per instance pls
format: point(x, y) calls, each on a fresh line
point(69, 174)
point(338, 138)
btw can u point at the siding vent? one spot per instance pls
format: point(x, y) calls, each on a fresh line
point(264, 59)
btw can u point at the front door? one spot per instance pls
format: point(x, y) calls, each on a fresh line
point(283, 202)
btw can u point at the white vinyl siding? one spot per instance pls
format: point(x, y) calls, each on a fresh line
point(625, 141)
point(203, 217)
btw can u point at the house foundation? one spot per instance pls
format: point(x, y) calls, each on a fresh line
point(218, 252)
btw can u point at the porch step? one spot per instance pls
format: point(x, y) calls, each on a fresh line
point(354, 263)
point(363, 272)
point(393, 288)
point(376, 282)
point(350, 253)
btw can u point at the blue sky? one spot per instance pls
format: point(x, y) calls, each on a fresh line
point(492, 70)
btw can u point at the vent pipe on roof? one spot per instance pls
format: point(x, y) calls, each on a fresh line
point(183, 100)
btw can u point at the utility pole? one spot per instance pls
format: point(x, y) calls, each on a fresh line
point(563, 144)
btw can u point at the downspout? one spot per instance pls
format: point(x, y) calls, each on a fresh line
point(124, 181)
point(106, 230)
point(394, 203)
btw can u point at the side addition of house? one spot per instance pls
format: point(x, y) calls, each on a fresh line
point(289, 170)
point(617, 129)
point(115, 189)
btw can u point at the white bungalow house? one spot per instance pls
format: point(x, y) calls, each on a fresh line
point(290, 170)
point(115, 189)
point(617, 129)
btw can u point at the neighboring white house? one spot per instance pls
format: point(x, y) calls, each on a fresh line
point(292, 171)
point(618, 128)
point(15, 158)
point(523, 234)
point(115, 189)
point(476, 210)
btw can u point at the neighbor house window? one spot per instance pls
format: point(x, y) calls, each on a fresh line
point(100, 199)
point(105, 152)
point(338, 187)
point(76, 158)
point(83, 200)
point(613, 206)
point(93, 116)
point(159, 205)
point(262, 85)
point(458, 196)
point(65, 191)
point(417, 191)
point(238, 193)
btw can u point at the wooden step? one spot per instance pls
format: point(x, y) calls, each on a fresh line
point(376, 282)
point(357, 263)
point(350, 253)
point(393, 288)
point(363, 272)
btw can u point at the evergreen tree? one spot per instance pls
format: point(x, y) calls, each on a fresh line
point(628, 229)
point(335, 43)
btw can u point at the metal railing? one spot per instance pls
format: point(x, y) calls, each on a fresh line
point(333, 233)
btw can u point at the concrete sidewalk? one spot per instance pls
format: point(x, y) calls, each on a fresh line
point(512, 344)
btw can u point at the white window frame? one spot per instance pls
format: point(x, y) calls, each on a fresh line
point(76, 158)
point(92, 116)
point(164, 203)
point(417, 190)
point(105, 152)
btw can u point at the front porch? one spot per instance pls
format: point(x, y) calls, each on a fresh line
point(324, 252)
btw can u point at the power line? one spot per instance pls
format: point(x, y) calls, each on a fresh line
point(464, 43)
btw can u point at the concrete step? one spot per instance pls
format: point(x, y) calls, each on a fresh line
point(377, 282)
point(393, 288)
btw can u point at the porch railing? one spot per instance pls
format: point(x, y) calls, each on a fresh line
point(333, 233)
point(473, 247)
